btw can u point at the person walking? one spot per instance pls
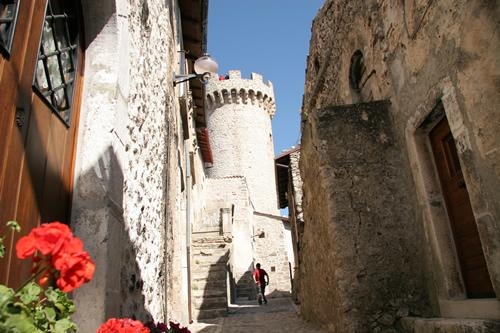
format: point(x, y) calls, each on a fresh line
point(261, 278)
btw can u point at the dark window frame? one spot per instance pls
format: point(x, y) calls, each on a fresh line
point(6, 46)
point(71, 48)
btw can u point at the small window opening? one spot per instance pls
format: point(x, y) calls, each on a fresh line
point(356, 71)
point(316, 65)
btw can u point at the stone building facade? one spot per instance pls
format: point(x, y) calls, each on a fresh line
point(124, 162)
point(399, 158)
point(239, 113)
point(137, 132)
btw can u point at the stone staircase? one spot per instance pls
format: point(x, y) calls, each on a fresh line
point(245, 287)
point(209, 276)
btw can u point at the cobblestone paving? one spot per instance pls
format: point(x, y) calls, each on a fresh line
point(279, 315)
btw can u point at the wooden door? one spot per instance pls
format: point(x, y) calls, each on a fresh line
point(468, 244)
point(40, 78)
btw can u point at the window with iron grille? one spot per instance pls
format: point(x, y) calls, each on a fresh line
point(56, 64)
point(8, 15)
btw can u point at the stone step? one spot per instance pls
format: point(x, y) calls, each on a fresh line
point(209, 274)
point(203, 284)
point(208, 314)
point(213, 258)
point(203, 303)
point(431, 325)
point(244, 292)
point(216, 292)
point(214, 244)
point(208, 237)
point(221, 248)
point(218, 246)
point(210, 255)
point(204, 237)
point(206, 265)
point(201, 272)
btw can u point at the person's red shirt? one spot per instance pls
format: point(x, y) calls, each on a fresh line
point(259, 276)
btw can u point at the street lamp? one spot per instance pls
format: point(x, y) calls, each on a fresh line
point(204, 67)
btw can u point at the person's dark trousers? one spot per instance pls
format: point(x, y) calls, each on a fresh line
point(262, 293)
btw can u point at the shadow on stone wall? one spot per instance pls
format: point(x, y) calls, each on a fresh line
point(97, 14)
point(117, 287)
point(244, 288)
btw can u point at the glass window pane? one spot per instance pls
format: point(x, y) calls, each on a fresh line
point(8, 12)
point(54, 75)
point(67, 64)
point(60, 99)
point(41, 79)
point(60, 31)
point(48, 38)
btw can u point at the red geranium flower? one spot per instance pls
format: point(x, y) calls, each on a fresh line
point(162, 327)
point(74, 269)
point(53, 243)
point(25, 247)
point(51, 237)
point(123, 325)
point(48, 238)
point(176, 328)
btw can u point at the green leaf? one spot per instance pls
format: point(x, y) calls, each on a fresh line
point(39, 317)
point(20, 306)
point(30, 293)
point(50, 313)
point(14, 226)
point(20, 323)
point(6, 294)
point(2, 248)
point(64, 325)
point(52, 295)
point(60, 301)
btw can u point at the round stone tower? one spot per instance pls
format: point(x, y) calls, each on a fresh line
point(238, 115)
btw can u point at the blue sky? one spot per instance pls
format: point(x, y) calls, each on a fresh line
point(269, 37)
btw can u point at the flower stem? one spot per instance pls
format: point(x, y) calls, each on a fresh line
point(32, 278)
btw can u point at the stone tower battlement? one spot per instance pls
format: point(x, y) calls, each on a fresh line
point(234, 89)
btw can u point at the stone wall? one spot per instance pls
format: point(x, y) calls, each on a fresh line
point(97, 207)
point(296, 217)
point(363, 225)
point(151, 183)
point(413, 54)
point(127, 200)
point(296, 184)
point(271, 253)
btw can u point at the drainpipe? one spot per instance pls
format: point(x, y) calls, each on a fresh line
point(188, 226)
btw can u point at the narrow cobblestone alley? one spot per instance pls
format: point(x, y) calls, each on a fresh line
point(279, 315)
